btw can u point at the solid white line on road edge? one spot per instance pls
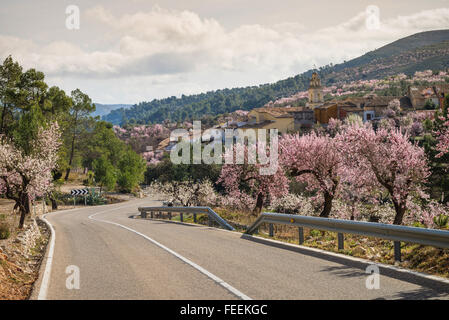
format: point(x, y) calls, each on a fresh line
point(177, 255)
point(43, 290)
point(46, 278)
point(351, 258)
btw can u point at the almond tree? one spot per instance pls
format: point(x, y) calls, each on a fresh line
point(26, 175)
point(443, 139)
point(245, 180)
point(313, 159)
point(384, 159)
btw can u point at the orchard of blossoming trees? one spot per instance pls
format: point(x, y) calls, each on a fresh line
point(352, 170)
point(391, 171)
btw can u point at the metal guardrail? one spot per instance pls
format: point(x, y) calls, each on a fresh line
point(430, 237)
point(213, 216)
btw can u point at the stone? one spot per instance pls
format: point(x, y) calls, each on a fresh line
point(359, 251)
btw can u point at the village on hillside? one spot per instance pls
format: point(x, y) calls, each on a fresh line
point(421, 100)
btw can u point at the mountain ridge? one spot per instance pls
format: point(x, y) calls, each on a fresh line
point(420, 51)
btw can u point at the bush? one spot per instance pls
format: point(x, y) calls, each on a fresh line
point(4, 231)
point(441, 221)
point(131, 171)
point(430, 105)
point(315, 233)
point(94, 199)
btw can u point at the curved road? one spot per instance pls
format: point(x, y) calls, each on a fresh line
point(123, 258)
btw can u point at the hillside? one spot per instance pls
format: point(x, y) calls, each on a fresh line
point(410, 43)
point(104, 109)
point(422, 51)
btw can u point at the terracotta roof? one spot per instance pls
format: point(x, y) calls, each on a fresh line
point(279, 112)
point(344, 104)
point(256, 125)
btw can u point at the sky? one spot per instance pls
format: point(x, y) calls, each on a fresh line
point(128, 51)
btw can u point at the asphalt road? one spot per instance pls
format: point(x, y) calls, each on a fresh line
point(124, 258)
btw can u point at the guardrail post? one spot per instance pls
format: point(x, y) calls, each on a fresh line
point(271, 230)
point(341, 241)
point(397, 251)
point(194, 217)
point(181, 215)
point(301, 235)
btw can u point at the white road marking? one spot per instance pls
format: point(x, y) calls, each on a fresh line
point(46, 278)
point(177, 255)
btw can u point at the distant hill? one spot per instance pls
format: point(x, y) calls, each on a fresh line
point(421, 51)
point(104, 109)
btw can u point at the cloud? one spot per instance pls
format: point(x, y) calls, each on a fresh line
point(160, 43)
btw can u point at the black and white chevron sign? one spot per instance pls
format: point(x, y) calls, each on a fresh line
point(78, 192)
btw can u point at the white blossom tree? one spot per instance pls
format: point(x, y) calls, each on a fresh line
point(24, 176)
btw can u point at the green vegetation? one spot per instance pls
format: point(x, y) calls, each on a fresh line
point(441, 221)
point(105, 174)
point(210, 103)
point(28, 104)
point(131, 171)
point(166, 171)
point(430, 105)
point(4, 231)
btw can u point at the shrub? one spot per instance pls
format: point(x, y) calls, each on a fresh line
point(315, 233)
point(4, 231)
point(131, 171)
point(441, 221)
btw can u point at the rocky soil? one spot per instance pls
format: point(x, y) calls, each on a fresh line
point(20, 258)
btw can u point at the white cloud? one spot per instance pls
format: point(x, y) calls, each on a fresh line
point(162, 43)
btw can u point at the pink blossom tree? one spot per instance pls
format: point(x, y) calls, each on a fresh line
point(316, 160)
point(384, 159)
point(443, 139)
point(243, 181)
point(141, 137)
point(24, 176)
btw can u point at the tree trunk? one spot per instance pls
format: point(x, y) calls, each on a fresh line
point(24, 206)
point(54, 204)
point(327, 205)
point(259, 203)
point(3, 119)
point(70, 165)
point(72, 151)
point(22, 217)
point(400, 212)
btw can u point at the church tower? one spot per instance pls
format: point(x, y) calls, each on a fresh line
point(315, 92)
